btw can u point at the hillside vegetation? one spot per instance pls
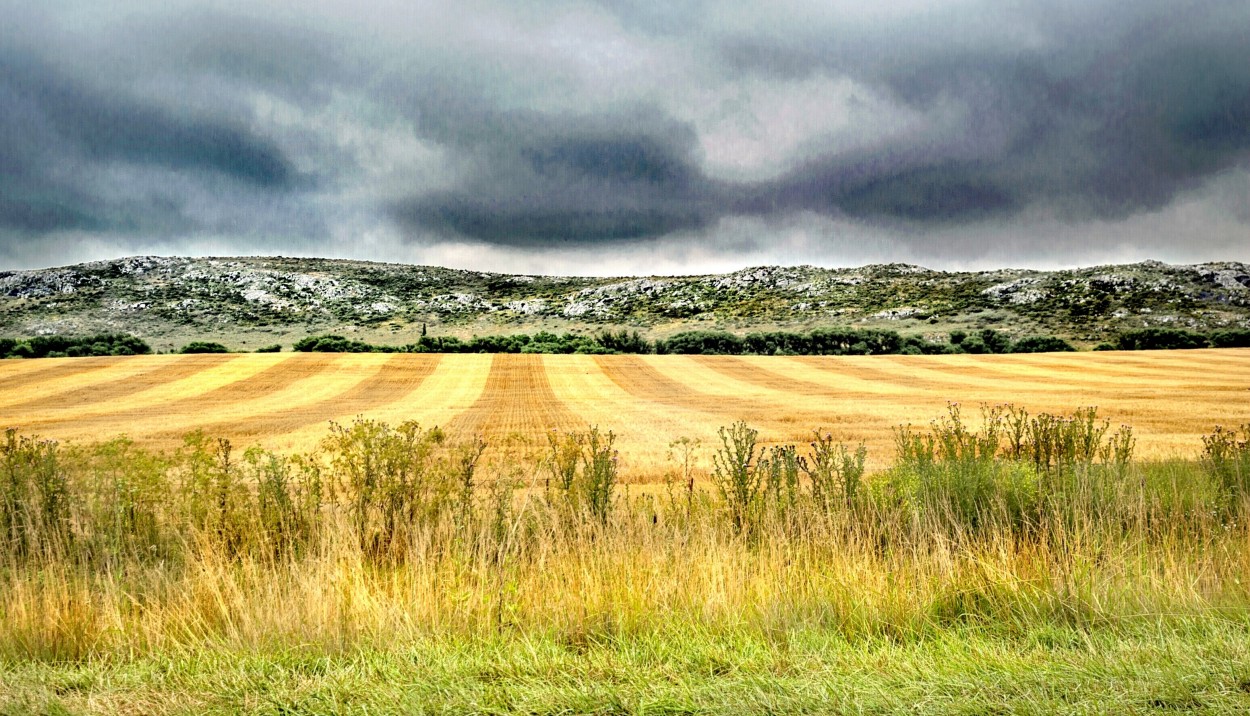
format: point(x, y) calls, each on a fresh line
point(170, 301)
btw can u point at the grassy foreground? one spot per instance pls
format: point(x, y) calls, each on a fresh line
point(1199, 665)
point(1026, 564)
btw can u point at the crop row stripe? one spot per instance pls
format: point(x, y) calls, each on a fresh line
point(393, 380)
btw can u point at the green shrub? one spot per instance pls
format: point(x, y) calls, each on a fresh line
point(275, 348)
point(216, 495)
point(105, 344)
point(203, 347)
point(917, 345)
point(702, 343)
point(564, 451)
point(1232, 338)
point(1149, 339)
point(124, 496)
point(600, 463)
point(781, 466)
point(986, 340)
point(288, 501)
point(850, 341)
point(624, 342)
point(1008, 467)
point(585, 468)
point(994, 341)
point(1042, 344)
point(778, 343)
point(333, 344)
point(437, 344)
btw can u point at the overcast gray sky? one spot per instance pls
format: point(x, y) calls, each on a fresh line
point(627, 136)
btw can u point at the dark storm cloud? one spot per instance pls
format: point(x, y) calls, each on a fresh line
point(609, 125)
point(1110, 120)
point(576, 183)
point(55, 125)
point(115, 127)
point(287, 57)
point(1098, 121)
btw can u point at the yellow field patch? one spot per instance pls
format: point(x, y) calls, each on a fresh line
point(210, 389)
point(644, 428)
point(179, 378)
point(286, 401)
point(108, 385)
point(386, 394)
point(453, 386)
point(59, 378)
point(13, 372)
point(516, 401)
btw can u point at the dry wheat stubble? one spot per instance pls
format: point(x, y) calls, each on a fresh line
point(285, 401)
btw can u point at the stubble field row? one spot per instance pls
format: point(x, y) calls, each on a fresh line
point(286, 401)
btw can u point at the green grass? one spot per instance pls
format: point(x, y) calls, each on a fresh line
point(1197, 665)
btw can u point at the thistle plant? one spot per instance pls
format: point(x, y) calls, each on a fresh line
point(736, 473)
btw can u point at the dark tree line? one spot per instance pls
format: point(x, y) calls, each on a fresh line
point(819, 341)
point(104, 344)
point(1152, 339)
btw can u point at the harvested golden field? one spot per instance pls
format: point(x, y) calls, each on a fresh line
point(285, 401)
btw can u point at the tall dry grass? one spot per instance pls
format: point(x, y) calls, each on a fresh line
point(392, 533)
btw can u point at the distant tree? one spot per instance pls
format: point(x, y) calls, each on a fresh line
point(702, 343)
point(438, 344)
point(333, 344)
point(624, 342)
point(973, 344)
point(1042, 344)
point(994, 341)
point(105, 344)
point(1150, 339)
point(851, 341)
point(1232, 338)
point(779, 343)
point(917, 345)
point(203, 347)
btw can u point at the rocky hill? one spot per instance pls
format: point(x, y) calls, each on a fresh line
point(247, 301)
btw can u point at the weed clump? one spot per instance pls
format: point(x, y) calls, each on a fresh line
point(1015, 467)
point(1226, 458)
point(835, 472)
point(34, 497)
point(736, 472)
point(585, 466)
point(389, 479)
